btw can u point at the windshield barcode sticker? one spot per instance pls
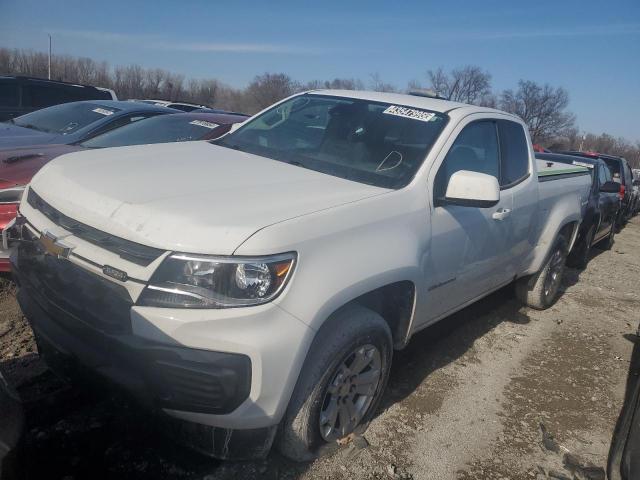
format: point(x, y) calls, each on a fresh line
point(202, 123)
point(103, 111)
point(410, 113)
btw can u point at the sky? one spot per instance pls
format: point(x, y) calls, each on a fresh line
point(589, 47)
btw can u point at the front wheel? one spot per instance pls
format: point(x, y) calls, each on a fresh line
point(541, 289)
point(340, 385)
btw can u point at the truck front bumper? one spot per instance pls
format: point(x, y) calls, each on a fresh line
point(227, 375)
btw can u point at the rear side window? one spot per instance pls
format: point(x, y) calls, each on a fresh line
point(475, 149)
point(9, 96)
point(514, 152)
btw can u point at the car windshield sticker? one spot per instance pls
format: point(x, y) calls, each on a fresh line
point(410, 113)
point(103, 111)
point(202, 123)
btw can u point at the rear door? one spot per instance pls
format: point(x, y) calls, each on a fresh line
point(517, 180)
point(469, 253)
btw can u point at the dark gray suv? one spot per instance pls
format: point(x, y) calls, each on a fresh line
point(20, 95)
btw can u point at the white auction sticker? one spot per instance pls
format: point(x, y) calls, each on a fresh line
point(410, 113)
point(103, 111)
point(203, 123)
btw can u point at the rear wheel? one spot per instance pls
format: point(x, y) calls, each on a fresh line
point(340, 385)
point(541, 289)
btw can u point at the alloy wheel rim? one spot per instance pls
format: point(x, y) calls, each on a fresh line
point(350, 392)
point(554, 276)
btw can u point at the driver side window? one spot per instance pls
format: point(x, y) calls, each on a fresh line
point(475, 149)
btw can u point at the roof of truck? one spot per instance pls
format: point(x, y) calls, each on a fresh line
point(426, 103)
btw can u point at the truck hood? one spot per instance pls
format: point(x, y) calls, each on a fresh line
point(19, 165)
point(192, 197)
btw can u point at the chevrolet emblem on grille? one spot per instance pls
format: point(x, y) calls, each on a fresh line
point(53, 246)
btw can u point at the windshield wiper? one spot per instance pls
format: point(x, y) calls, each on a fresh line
point(25, 156)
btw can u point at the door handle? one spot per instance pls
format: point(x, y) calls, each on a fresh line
point(501, 213)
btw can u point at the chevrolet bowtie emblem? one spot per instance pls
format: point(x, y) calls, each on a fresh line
point(53, 246)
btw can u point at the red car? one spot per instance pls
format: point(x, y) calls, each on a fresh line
point(19, 165)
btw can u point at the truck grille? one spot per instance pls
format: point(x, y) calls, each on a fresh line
point(126, 249)
point(70, 293)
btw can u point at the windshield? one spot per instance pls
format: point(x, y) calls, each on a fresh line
point(65, 118)
point(369, 142)
point(160, 129)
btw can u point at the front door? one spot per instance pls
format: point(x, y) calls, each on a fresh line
point(470, 246)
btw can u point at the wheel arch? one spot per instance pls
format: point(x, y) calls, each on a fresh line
point(393, 300)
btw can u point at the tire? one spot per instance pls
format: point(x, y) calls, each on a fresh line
point(607, 242)
point(541, 289)
point(579, 257)
point(352, 333)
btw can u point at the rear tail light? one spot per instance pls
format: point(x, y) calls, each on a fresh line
point(621, 192)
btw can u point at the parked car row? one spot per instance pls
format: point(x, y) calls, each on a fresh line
point(30, 141)
point(253, 288)
point(622, 174)
point(599, 223)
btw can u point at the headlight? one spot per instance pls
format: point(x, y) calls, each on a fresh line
point(11, 195)
point(194, 281)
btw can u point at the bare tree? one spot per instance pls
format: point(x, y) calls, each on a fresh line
point(335, 84)
point(269, 88)
point(542, 107)
point(378, 85)
point(467, 84)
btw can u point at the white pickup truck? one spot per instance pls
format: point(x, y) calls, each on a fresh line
point(255, 288)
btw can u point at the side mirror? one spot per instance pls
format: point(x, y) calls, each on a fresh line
point(610, 187)
point(472, 189)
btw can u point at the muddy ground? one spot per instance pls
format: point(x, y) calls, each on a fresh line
point(497, 391)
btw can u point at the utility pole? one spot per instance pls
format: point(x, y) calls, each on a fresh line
point(49, 56)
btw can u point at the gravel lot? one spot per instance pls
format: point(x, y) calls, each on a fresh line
point(497, 391)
